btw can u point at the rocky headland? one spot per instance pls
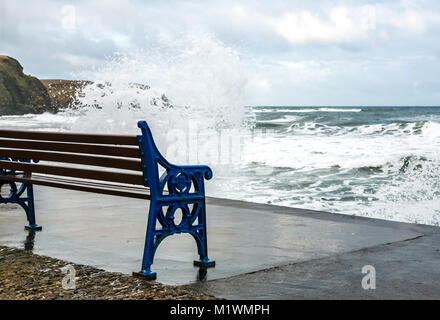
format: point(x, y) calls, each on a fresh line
point(21, 93)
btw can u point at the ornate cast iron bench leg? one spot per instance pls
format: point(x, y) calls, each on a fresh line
point(202, 243)
point(28, 205)
point(151, 243)
point(154, 237)
point(26, 202)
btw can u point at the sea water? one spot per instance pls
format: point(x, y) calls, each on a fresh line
point(381, 162)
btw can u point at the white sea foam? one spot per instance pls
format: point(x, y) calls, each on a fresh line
point(45, 121)
point(285, 119)
point(308, 110)
point(424, 128)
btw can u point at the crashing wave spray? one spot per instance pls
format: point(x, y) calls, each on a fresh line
point(191, 80)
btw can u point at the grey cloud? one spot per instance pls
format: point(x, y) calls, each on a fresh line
point(324, 72)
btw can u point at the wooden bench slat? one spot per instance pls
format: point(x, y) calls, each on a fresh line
point(127, 164)
point(116, 151)
point(115, 190)
point(71, 137)
point(90, 183)
point(93, 183)
point(128, 178)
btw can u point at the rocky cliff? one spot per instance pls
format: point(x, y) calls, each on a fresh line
point(63, 93)
point(20, 93)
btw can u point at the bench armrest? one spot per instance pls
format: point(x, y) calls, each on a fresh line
point(207, 172)
point(178, 180)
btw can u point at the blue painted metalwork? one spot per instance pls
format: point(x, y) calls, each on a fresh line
point(179, 187)
point(23, 195)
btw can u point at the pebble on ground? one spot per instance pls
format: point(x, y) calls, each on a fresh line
point(24, 275)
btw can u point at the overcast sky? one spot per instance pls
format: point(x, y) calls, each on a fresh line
point(300, 52)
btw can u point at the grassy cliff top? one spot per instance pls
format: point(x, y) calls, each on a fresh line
point(9, 64)
point(21, 93)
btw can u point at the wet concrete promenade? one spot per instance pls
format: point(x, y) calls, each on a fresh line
point(261, 251)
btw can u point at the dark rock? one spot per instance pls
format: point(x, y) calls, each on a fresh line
point(20, 93)
point(64, 93)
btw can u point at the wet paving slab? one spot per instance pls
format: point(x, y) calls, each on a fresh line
point(108, 233)
point(403, 270)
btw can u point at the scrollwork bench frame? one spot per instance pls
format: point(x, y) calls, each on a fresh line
point(23, 157)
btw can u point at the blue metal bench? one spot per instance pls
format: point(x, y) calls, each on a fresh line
point(22, 160)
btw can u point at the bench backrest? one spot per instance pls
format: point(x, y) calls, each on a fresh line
point(96, 151)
